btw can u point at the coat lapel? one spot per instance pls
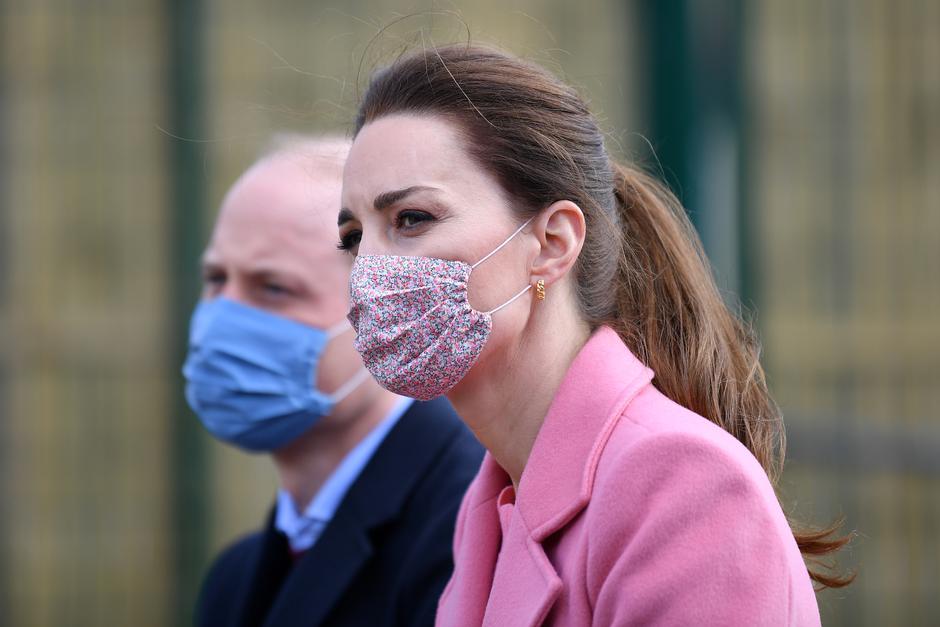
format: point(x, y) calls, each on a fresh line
point(525, 585)
point(503, 581)
point(512, 576)
point(477, 548)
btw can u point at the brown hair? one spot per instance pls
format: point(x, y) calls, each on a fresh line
point(537, 136)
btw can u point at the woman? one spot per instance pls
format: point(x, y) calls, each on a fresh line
point(631, 438)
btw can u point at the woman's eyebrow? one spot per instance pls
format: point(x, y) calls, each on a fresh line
point(345, 215)
point(387, 199)
point(384, 201)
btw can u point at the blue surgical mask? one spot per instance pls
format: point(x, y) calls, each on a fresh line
point(250, 374)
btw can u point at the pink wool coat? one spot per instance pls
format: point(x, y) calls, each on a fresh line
point(631, 511)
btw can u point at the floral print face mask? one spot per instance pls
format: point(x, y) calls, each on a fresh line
point(415, 329)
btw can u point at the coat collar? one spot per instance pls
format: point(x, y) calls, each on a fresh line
point(559, 474)
point(555, 485)
point(322, 576)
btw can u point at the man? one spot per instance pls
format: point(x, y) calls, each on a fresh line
point(370, 482)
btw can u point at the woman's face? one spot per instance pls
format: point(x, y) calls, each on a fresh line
point(410, 188)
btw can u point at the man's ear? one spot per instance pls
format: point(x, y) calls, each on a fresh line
point(560, 230)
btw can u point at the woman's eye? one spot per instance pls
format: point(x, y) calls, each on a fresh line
point(350, 240)
point(409, 219)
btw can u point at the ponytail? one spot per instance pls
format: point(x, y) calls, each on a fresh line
point(706, 358)
point(671, 313)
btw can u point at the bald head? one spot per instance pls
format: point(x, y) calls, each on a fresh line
point(323, 156)
point(274, 242)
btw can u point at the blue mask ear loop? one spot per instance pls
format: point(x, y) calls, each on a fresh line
point(354, 381)
point(346, 389)
point(337, 329)
point(493, 252)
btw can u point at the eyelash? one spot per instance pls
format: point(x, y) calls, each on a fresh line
point(422, 216)
point(351, 239)
point(346, 242)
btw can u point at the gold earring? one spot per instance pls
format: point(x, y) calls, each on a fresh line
point(540, 289)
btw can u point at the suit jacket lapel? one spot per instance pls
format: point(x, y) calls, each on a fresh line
point(324, 574)
point(271, 564)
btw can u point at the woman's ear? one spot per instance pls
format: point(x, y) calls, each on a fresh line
point(560, 230)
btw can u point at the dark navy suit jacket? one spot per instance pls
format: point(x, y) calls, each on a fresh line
point(383, 559)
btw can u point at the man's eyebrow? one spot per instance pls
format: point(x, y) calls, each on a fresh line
point(386, 199)
point(266, 273)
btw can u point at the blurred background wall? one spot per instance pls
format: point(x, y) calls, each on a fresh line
point(804, 136)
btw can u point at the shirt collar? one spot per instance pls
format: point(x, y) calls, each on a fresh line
point(302, 528)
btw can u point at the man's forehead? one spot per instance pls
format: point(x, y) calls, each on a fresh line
point(279, 193)
point(272, 239)
point(273, 217)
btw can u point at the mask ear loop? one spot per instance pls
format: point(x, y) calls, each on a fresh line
point(346, 389)
point(338, 329)
point(496, 250)
point(508, 302)
point(506, 241)
point(357, 379)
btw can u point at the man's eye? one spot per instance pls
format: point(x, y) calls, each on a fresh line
point(275, 289)
point(214, 280)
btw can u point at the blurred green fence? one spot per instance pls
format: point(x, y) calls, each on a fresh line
point(803, 135)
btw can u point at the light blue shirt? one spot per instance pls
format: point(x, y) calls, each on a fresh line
point(304, 529)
